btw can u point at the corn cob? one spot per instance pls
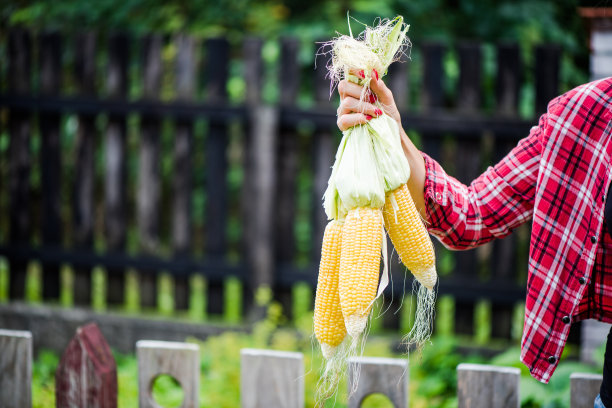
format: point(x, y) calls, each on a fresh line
point(328, 321)
point(409, 236)
point(359, 266)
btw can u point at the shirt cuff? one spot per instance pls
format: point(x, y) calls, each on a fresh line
point(436, 190)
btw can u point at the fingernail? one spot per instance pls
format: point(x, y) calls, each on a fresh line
point(373, 98)
point(375, 74)
point(361, 74)
point(368, 117)
point(378, 112)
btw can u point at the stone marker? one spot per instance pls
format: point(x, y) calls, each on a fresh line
point(179, 360)
point(584, 388)
point(387, 376)
point(271, 379)
point(15, 369)
point(485, 386)
point(87, 374)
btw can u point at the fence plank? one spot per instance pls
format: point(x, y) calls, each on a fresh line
point(19, 71)
point(87, 374)
point(50, 82)
point(508, 81)
point(115, 195)
point(16, 369)
point(388, 376)
point(583, 389)
point(217, 51)
point(149, 182)
point(467, 159)
point(264, 124)
point(253, 77)
point(323, 150)
point(547, 66)
point(483, 386)
point(179, 360)
point(86, 141)
point(253, 69)
point(432, 95)
point(398, 80)
point(287, 155)
point(182, 185)
point(271, 379)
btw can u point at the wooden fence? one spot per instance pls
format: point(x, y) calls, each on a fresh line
point(87, 376)
point(131, 156)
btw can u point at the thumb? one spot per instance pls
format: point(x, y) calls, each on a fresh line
point(379, 87)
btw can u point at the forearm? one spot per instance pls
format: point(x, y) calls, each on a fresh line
point(416, 183)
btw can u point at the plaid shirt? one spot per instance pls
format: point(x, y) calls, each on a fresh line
point(557, 176)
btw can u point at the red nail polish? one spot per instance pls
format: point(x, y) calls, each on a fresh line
point(375, 74)
point(368, 117)
point(361, 74)
point(373, 98)
point(378, 112)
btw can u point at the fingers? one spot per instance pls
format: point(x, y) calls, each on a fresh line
point(349, 120)
point(378, 86)
point(350, 104)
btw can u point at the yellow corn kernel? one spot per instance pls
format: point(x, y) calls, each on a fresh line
point(359, 266)
point(409, 236)
point(328, 321)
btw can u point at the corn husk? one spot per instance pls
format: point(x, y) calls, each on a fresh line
point(369, 161)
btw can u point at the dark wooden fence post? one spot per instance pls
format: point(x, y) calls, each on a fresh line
point(181, 180)
point(264, 128)
point(87, 374)
point(84, 182)
point(398, 80)
point(15, 369)
point(287, 155)
point(19, 72)
point(547, 66)
point(503, 260)
point(149, 182)
point(467, 159)
point(216, 161)
point(217, 51)
point(50, 83)
point(432, 94)
point(253, 75)
point(323, 151)
point(287, 161)
point(115, 219)
point(482, 386)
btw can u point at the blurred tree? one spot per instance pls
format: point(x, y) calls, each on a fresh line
point(525, 21)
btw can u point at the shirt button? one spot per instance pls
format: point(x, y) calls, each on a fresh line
point(594, 239)
point(582, 280)
point(552, 359)
point(566, 319)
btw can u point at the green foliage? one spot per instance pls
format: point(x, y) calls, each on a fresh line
point(33, 290)
point(233, 300)
point(4, 280)
point(527, 22)
point(43, 379)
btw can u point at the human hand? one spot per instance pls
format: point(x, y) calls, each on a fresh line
point(355, 110)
